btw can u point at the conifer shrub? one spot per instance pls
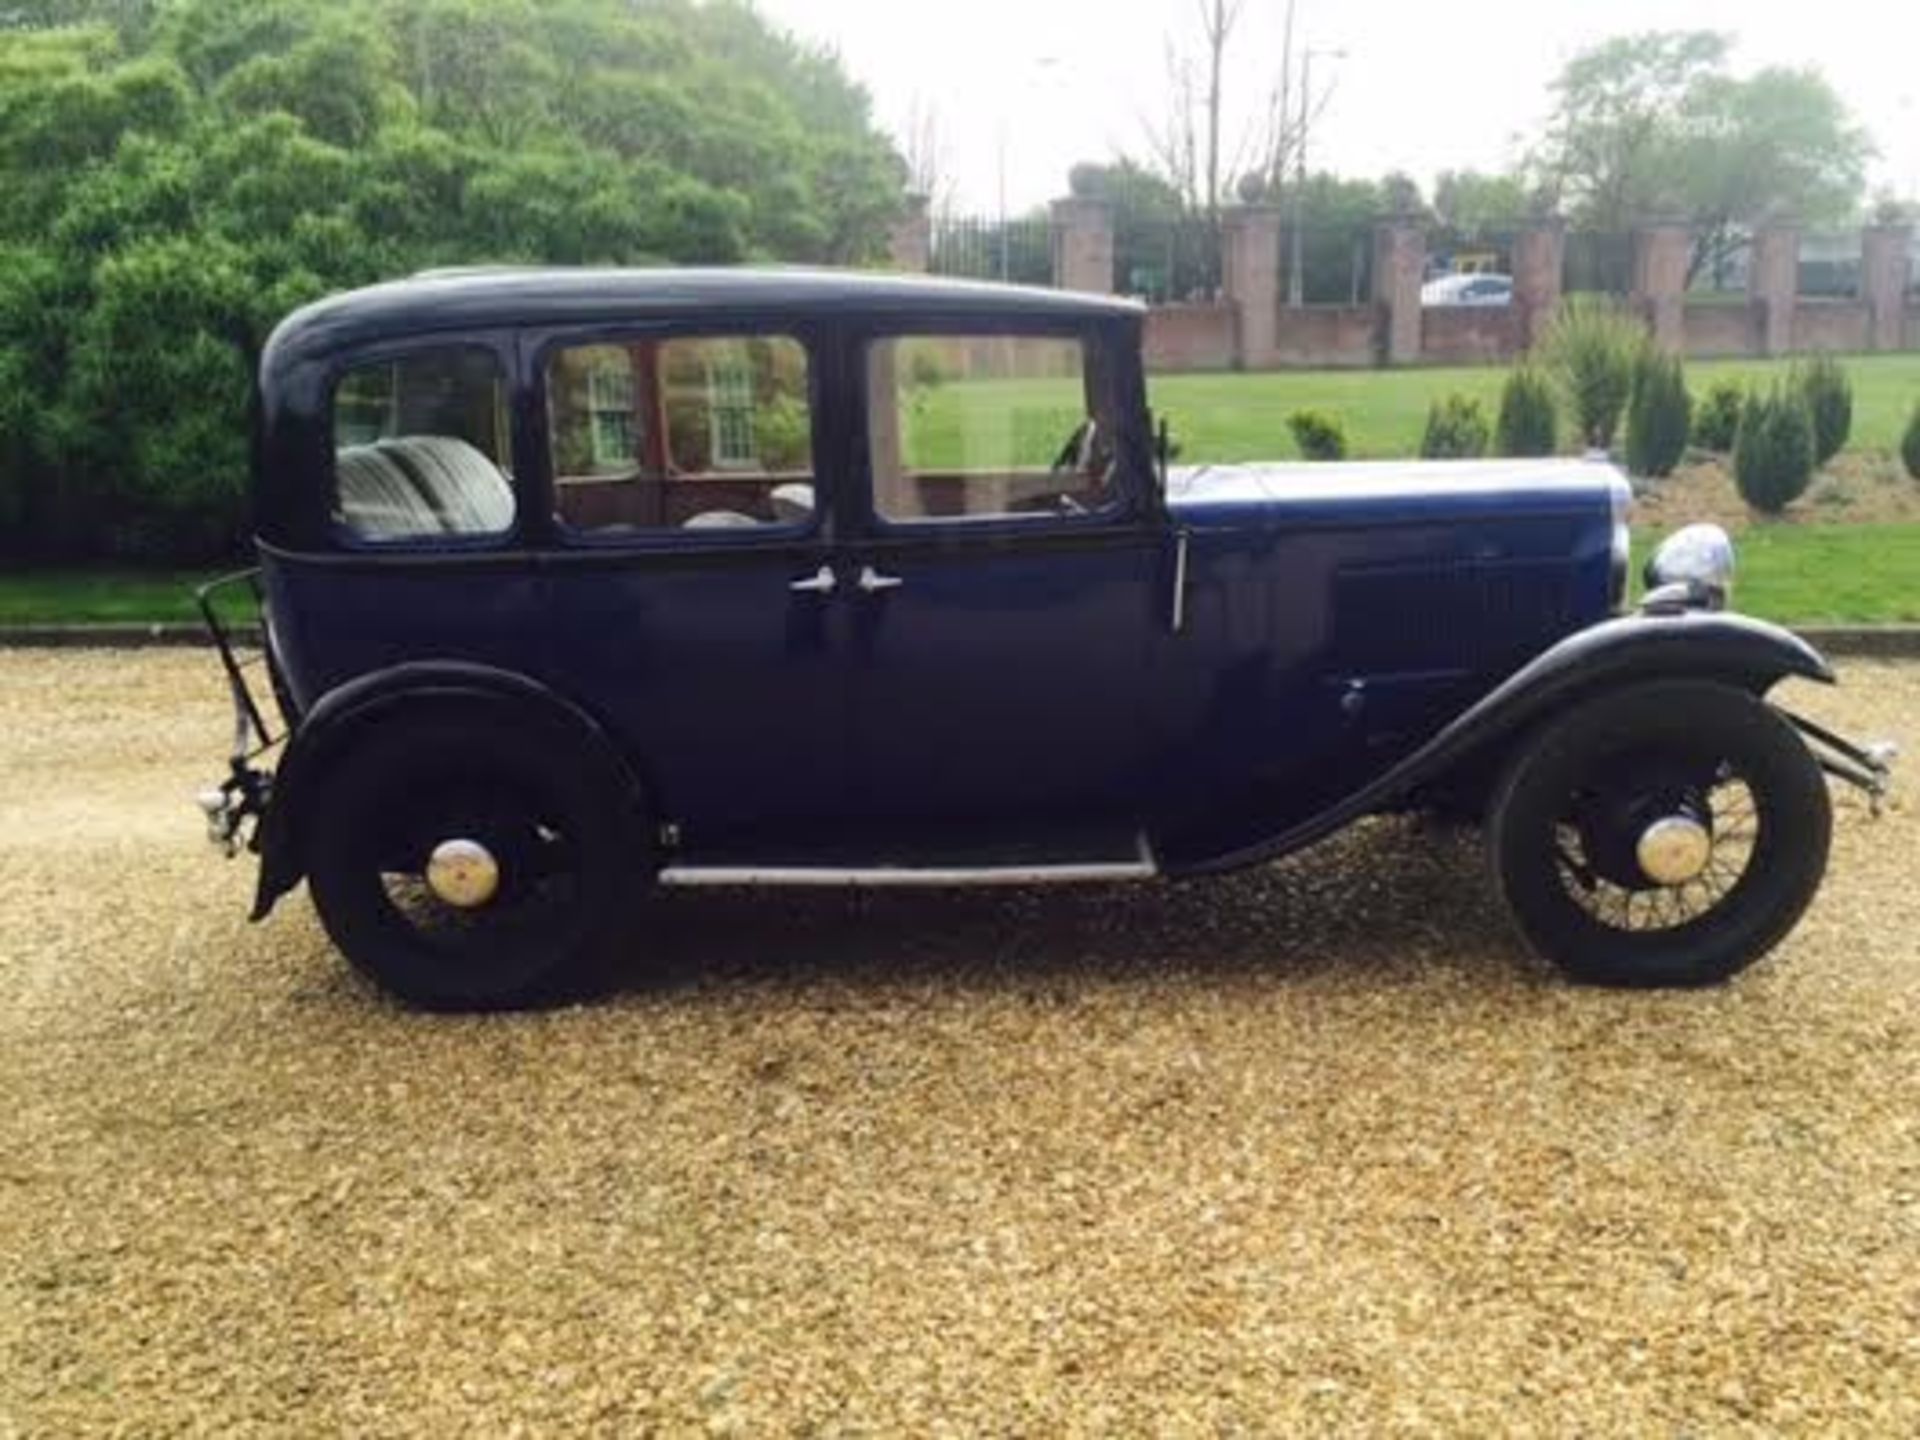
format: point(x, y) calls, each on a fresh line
point(1529, 418)
point(1457, 429)
point(1823, 384)
point(1659, 416)
point(1773, 454)
point(1320, 434)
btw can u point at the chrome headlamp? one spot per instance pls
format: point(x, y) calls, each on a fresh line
point(1620, 558)
point(1692, 569)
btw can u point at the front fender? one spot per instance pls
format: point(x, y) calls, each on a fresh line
point(1699, 645)
point(343, 712)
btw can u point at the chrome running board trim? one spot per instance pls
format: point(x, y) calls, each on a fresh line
point(879, 876)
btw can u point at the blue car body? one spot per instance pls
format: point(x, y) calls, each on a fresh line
point(1227, 662)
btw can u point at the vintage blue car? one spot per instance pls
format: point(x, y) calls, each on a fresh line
point(577, 583)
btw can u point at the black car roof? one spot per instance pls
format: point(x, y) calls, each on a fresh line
point(479, 299)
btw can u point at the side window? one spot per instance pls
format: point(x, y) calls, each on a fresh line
point(972, 427)
point(693, 432)
point(421, 447)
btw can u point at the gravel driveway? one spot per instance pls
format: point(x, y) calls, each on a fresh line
point(1314, 1147)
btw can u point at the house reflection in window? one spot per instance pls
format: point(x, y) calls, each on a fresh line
point(730, 406)
point(611, 422)
point(680, 432)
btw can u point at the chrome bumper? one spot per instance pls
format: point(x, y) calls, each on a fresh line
point(1867, 767)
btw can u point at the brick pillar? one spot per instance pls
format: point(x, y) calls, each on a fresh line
point(1884, 265)
point(1539, 269)
point(1399, 267)
point(1773, 285)
point(1250, 275)
point(1660, 254)
point(1083, 245)
point(910, 238)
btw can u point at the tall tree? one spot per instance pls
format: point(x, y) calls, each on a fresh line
point(1654, 124)
point(924, 150)
point(1472, 202)
point(1217, 19)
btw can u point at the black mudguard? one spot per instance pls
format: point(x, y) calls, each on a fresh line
point(1699, 645)
point(344, 713)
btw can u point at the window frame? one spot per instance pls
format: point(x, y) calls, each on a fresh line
point(541, 344)
point(499, 350)
point(1127, 509)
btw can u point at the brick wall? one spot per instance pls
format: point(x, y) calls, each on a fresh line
point(1469, 334)
point(1722, 328)
point(1332, 335)
point(1830, 325)
point(1395, 329)
point(1190, 337)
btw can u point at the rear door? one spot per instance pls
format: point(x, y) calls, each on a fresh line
point(1006, 570)
point(692, 578)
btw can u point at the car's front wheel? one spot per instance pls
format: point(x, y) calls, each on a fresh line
point(1670, 834)
point(471, 861)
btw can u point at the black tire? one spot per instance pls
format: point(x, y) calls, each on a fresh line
point(566, 827)
point(1559, 814)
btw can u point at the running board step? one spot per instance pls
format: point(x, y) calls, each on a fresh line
point(1141, 866)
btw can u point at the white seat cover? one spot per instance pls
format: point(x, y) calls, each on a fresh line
point(415, 485)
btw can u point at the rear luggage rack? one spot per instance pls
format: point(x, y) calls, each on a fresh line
point(243, 794)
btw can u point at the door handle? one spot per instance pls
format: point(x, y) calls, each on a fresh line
point(821, 582)
point(872, 581)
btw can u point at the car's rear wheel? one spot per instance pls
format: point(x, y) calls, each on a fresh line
point(1670, 834)
point(471, 862)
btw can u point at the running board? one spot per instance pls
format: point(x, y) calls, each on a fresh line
point(1079, 872)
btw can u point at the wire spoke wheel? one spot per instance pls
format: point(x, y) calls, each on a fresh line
point(1725, 810)
point(1666, 835)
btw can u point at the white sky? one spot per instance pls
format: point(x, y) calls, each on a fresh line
point(1425, 86)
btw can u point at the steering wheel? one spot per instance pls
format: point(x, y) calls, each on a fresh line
point(1078, 450)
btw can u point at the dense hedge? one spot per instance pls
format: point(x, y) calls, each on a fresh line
point(179, 178)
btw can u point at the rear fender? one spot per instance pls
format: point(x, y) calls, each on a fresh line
point(327, 730)
point(1732, 649)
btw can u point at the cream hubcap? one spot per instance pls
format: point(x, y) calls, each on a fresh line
point(463, 873)
point(1674, 849)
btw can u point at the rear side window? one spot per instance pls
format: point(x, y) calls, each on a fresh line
point(421, 447)
point(696, 433)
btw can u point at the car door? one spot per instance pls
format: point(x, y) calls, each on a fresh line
point(1006, 571)
point(692, 578)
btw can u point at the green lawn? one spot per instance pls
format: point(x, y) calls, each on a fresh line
point(1243, 417)
point(97, 597)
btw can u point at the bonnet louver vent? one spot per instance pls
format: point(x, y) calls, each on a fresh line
point(1464, 614)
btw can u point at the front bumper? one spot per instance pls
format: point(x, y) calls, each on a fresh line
point(1867, 767)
